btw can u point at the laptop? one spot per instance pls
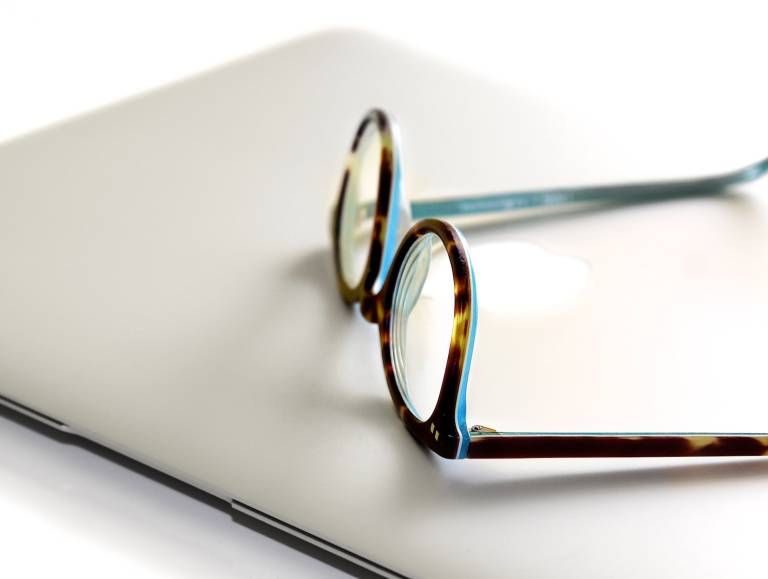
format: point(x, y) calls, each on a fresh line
point(168, 292)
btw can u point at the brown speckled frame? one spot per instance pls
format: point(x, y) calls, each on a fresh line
point(445, 431)
point(387, 193)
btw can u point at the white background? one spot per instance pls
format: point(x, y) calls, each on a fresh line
point(72, 512)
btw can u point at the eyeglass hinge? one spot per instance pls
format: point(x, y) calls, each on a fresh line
point(480, 428)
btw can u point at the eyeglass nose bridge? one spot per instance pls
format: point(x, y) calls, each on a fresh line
point(371, 308)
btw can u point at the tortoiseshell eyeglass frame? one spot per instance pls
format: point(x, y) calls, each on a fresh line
point(445, 431)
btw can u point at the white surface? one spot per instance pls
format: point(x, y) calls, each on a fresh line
point(542, 484)
point(58, 59)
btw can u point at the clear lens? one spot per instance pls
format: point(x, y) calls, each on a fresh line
point(422, 323)
point(358, 211)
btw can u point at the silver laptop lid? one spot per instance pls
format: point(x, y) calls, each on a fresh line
point(168, 291)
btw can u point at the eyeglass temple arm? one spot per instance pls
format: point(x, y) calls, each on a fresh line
point(487, 443)
point(497, 202)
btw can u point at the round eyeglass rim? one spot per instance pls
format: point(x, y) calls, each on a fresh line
point(445, 429)
point(384, 231)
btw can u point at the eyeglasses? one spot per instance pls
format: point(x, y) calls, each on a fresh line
point(418, 286)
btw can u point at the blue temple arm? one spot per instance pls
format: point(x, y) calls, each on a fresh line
point(498, 202)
